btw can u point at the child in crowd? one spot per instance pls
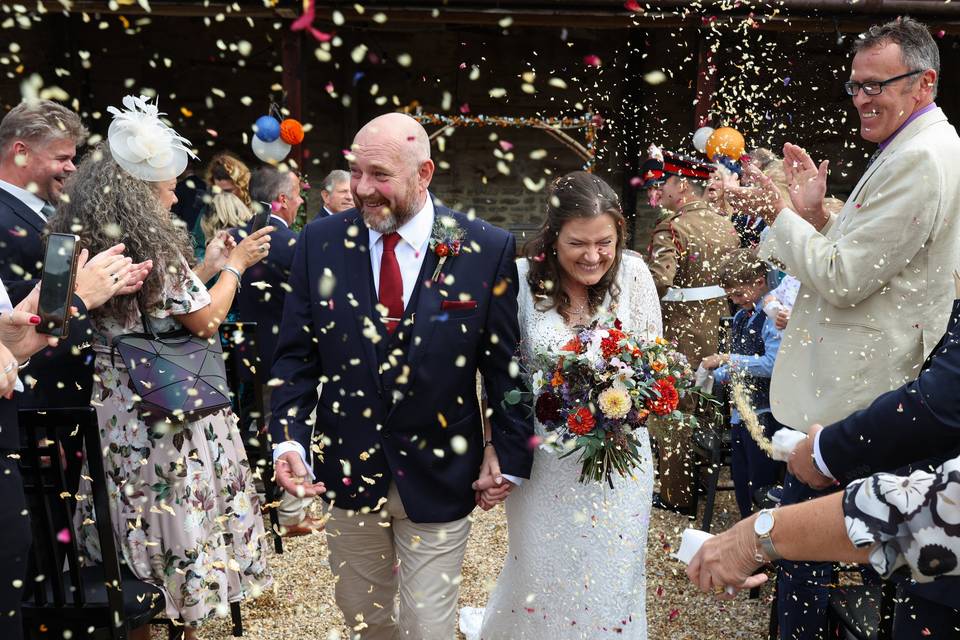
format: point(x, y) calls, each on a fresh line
point(755, 341)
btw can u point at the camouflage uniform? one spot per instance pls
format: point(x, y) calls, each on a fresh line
point(685, 253)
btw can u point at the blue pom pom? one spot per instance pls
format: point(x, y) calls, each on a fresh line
point(267, 128)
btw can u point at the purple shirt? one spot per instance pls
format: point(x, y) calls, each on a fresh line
point(913, 116)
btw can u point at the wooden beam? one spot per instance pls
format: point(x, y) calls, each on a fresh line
point(175, 9)
point(293, 81)
point(707, 78)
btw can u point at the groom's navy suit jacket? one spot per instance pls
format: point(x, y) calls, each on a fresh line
point(915, 426)
point(400, 408)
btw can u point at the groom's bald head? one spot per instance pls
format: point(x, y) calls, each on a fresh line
point(390, 170)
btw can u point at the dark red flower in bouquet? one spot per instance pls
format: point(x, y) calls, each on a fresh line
point(442, 250)
point(581, 421)
point(547, 408)
point(667, 399)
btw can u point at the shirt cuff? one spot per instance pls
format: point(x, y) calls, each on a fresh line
point(514, 479)
point(818, 458)
point(292, 445)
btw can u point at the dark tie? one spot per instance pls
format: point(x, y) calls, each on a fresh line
point(48, 210)
point(876, 154)
point(391, 282)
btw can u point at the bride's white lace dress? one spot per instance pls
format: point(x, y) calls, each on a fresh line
point(577, 558)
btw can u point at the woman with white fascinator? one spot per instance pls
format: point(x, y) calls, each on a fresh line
point(185, 511)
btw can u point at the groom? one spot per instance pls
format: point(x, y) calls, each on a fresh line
point(396, 335)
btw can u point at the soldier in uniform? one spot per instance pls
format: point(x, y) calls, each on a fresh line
point(686, 249)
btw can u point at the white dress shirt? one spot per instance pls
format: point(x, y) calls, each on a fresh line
point(274, 219)
point(33, 201)
point(821, 464)
point(411, 250)
point(7, 307)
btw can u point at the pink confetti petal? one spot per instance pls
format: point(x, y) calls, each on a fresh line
point(591, 60)
point(63, 536)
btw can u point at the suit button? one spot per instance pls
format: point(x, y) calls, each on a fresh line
point(386, 434)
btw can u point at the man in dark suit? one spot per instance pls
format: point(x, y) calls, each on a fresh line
point(38, 142)
point(18, 341)
point(263, 287)
point(397, 334)
point(914, 427)
point(336, 194)
point(261, 297)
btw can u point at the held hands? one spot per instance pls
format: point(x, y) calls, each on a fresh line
point(251, 249)
point(491, 487)
point(727, 560)
point(293, 477)
point(801, 462)
point(807, 184)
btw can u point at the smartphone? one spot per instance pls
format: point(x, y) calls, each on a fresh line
point(57, 283)
point(260, 219)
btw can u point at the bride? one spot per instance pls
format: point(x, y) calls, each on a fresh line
point(576, 563)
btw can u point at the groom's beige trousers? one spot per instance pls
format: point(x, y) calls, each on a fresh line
point(375, 555)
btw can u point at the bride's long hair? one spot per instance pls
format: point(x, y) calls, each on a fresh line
point(575, 195)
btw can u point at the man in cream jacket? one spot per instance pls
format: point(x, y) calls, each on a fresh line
point(877, 288)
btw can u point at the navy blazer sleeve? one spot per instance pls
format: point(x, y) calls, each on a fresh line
point(297, 359)
point(512, 429)
point(920, 420)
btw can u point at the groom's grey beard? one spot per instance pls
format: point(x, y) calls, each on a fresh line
point(386, 223)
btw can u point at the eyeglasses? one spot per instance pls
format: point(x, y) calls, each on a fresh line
point(874, 87)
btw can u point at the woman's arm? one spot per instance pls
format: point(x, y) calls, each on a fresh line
point(204, 322)
point(814, 530)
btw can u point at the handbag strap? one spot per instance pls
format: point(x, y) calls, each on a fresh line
point(144, 317)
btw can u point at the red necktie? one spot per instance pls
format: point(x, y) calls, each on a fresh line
point(391, 282)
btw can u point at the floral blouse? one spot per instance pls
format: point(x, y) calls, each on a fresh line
point(911, 520)
point(183, 293)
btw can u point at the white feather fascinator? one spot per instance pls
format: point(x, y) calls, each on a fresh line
point(143, 145)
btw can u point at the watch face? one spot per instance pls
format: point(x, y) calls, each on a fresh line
point(763, 523)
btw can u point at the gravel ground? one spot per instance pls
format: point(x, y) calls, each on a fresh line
point(301, 605)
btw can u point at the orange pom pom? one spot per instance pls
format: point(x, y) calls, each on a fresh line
point(291, 131)
point(726, 142)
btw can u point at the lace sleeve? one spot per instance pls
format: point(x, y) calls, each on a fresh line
point(644, 304)
point(909, 520)
point(524, 297)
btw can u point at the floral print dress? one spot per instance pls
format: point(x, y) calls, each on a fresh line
point(185, 511)
point(908, 520)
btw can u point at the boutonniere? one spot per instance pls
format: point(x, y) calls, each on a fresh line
point(446, 240)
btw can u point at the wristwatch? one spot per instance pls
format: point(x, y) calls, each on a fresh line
point(763, 527)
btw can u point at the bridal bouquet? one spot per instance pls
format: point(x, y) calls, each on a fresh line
point(592, 394)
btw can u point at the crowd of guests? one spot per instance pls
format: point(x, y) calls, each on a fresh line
point(835, 307)
point(863, 352)
point(191, 269)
